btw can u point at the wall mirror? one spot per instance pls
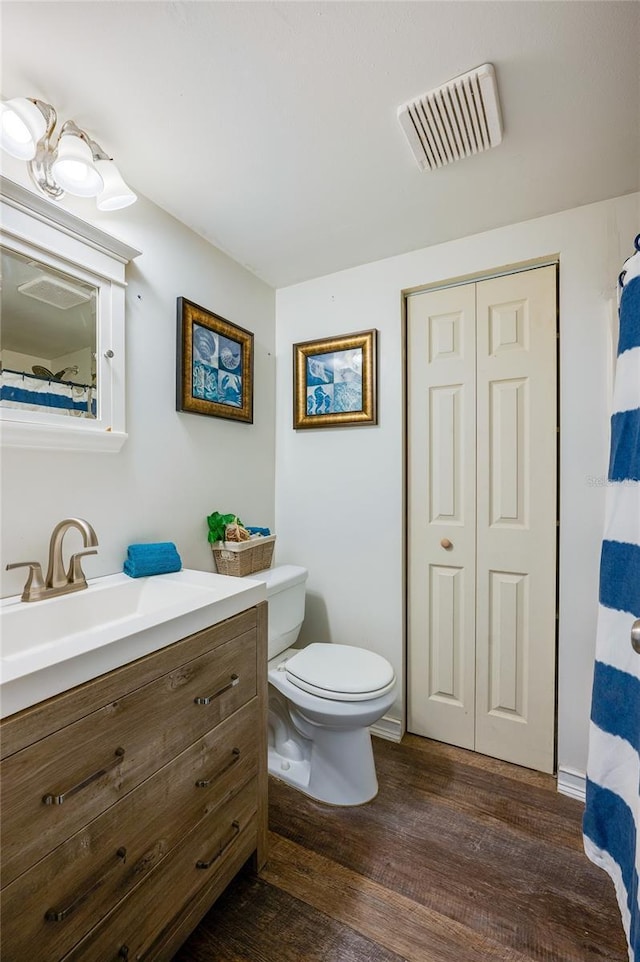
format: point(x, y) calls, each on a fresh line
point(62, 332)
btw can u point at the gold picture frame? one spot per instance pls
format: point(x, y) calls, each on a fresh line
point(335, 381)
point(214, 367)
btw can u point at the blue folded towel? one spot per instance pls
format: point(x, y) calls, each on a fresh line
point(152, 559)
point(263, 531)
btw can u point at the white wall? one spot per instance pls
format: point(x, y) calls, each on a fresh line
point(339, 492)
point(339, 497)
point(175, 468)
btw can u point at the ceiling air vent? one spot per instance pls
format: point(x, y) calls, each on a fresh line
point(456, 120)
point(55, 292)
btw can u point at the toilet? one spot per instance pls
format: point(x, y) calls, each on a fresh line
point(322, 699)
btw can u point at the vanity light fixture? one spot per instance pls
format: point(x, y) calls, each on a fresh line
point(73, 164)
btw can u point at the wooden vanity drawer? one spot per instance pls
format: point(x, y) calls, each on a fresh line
point(207, 858)
point(48, 909)
point(58, 784)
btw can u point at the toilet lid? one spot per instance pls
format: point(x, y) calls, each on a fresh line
point(340, 672)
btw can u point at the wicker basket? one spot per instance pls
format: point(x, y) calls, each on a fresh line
point(243, 557)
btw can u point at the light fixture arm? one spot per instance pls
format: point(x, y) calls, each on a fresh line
point(96, 149)
point(40, 166)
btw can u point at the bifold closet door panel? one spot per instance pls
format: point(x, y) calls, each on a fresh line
point(441, 514)
point(482, 476)
point(516, 517)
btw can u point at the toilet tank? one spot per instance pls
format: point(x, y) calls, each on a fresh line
point(285, 586)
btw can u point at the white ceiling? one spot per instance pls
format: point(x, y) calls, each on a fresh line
point(270, 128)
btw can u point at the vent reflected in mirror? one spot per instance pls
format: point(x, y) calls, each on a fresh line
point(47, 339)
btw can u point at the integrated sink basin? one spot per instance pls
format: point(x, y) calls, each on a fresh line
point(52, 645)
point(106, 607)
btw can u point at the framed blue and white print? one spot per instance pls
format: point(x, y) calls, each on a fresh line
point(214, 365)
point(334, 381)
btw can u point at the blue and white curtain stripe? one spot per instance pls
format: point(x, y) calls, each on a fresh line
point(612, 815)
point(27, 393)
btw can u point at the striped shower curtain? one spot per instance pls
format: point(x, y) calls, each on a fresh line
point(612, 815)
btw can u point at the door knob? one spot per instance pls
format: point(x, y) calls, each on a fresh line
point(446, 543)
point(635, 636)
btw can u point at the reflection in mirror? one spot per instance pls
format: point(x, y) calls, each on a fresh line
point(47, 339)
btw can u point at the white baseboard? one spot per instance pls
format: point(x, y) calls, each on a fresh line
point(572, 783)
point(389, 728)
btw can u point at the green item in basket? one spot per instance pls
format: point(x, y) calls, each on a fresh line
point(218, 522)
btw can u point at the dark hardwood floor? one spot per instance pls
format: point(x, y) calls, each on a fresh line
point(460, 858)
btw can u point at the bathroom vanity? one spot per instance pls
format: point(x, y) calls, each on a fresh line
point(131, 800)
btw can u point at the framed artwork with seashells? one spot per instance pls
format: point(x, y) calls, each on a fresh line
point(214, 366)
point(335, 381)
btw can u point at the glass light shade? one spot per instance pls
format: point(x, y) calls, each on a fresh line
point(22, 124)
point(116, 194)
point(74, 170)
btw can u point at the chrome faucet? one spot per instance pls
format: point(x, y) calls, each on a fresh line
point(59, 581)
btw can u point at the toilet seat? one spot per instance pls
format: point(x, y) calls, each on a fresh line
point(340, 672)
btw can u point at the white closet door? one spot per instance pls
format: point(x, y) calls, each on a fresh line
point(516, 517)
point(482, 477)
point(441, 505)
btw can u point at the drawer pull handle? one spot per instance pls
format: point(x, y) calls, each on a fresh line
point(59, 915)
point(59, 799)
point(205, 782)
point(124, 952)
point(209, 698)
point(235, 826)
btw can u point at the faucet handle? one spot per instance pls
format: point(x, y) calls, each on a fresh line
point(76, 574)
point(34, 580)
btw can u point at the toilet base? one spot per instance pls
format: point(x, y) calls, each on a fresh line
point(336, 767)
point(288, 770)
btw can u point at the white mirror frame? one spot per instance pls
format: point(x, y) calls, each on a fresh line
point(33, 226)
